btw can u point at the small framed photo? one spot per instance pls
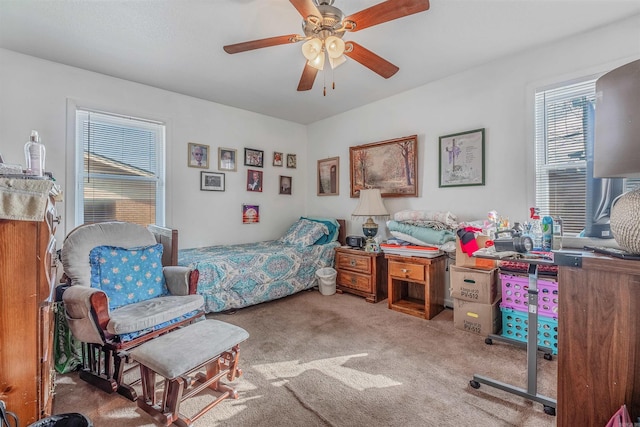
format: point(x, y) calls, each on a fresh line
point(254, 180)
point(250, 214)
point(461, 159)
point(329, 176)
point(253, 157)
point(291, 161)
point(285, 184)
point(198, 156)
point(277, 159)
point(227, 159)
point(211, 181)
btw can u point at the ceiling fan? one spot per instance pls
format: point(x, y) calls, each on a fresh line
point(324, 27)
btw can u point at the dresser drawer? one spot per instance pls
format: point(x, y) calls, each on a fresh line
point(406, 270)
point(354, 281)
point(359, 263)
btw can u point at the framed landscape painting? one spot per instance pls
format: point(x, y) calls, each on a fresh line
point(391, 166)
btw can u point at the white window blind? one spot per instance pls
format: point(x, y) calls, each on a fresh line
point(564, 123)
point(120, 168)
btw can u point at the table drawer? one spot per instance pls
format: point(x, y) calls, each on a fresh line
point(406, 270)
point(354, 281)
point(360, 263)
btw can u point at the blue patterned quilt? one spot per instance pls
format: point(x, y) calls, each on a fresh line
point(236, 276)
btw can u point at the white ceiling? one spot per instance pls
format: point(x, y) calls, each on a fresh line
point(177, 44)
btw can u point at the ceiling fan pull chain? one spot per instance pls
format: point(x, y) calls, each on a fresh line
point(324, 82)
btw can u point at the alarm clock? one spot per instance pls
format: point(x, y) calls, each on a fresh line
point(355, 241)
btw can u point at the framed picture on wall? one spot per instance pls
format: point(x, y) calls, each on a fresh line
point(329, 176)
point(211, 181)
point(461, 159)
point(254, 180)
point(391, 166)
point(285, 184)
point(253, 157)
point(277, 159)
point(250, 214)
point(291, 161)
point(227, 159)
point(198, 156)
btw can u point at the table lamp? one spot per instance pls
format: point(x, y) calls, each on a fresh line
point(617, 147)
point(370, 205)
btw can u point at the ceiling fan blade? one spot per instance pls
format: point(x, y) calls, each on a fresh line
point(258, 44)
point(306, 8)
point(386, 11)
point(307, 78)
point(370, 60)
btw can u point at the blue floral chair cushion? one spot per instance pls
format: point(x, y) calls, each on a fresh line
point(129, 275)
point(304, 233)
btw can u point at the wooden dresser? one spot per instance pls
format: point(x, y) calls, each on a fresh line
point(27, 276)
point(361, 273)
point(598, 339)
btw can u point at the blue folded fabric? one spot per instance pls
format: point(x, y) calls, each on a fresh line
point(424, 234)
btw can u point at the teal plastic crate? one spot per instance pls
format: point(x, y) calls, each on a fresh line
point(515, 326)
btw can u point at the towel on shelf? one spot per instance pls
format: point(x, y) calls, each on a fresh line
point(24, 199)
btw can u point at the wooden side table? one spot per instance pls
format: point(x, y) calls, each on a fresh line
point(416, 285)
point(361, 273)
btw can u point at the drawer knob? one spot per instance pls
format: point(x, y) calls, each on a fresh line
point(352, 262)
point(404, 270)
point(353, 280)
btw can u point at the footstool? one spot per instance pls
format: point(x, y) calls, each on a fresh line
point(211, 345)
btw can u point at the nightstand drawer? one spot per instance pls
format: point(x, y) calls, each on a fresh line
point(359, 263)
point(406, 270)
point(354, 281)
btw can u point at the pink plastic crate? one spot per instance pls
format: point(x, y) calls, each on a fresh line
point(514, 294)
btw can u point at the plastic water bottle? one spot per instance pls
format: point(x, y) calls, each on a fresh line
point(535, 230)
point(34, 153)
point(547, 233)
point(557, 233)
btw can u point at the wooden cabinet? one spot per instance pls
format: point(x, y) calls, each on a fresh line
point(598, 339)
point(361, 273)
point(416, 285)
point(27, 276)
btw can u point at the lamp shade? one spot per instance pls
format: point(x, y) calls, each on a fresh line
point(370, 204)
point(312, 48)
point(335, 62)
point(334, 46)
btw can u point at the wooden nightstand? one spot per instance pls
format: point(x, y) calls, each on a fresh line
point(361, 273)
point(416, 285)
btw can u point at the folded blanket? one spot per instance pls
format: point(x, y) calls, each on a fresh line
point(447, 218)
point(424, 234)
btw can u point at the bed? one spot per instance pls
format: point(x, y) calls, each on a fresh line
point(237, 276)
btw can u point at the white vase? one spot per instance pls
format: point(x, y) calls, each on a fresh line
point(625, 221)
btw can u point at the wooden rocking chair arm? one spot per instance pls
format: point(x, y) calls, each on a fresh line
point(100, 309)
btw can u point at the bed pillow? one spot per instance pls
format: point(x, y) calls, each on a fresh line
point(129, 275)
point(304, 233)
point(332, 225)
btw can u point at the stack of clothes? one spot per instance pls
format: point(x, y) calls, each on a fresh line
point(425, 228)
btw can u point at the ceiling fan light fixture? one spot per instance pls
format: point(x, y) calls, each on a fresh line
point(334, 46)
point(317, 62)
point(336, 62)
point(312, 48)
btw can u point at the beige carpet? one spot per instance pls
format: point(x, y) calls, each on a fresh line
point(315, 360)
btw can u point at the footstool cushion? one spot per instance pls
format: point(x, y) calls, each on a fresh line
point(178, 352)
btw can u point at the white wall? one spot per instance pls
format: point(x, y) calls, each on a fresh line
point(34, 95)
point(498, 97)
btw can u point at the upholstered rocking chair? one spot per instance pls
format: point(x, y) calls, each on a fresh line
point(118, 295)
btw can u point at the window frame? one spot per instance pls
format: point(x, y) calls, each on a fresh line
point(76, 174)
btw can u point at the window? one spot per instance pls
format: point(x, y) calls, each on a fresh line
point(120, 168)
point(564, 130)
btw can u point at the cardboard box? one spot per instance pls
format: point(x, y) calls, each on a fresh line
point(481, 319)
point(475, 285)
point(464, 260)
